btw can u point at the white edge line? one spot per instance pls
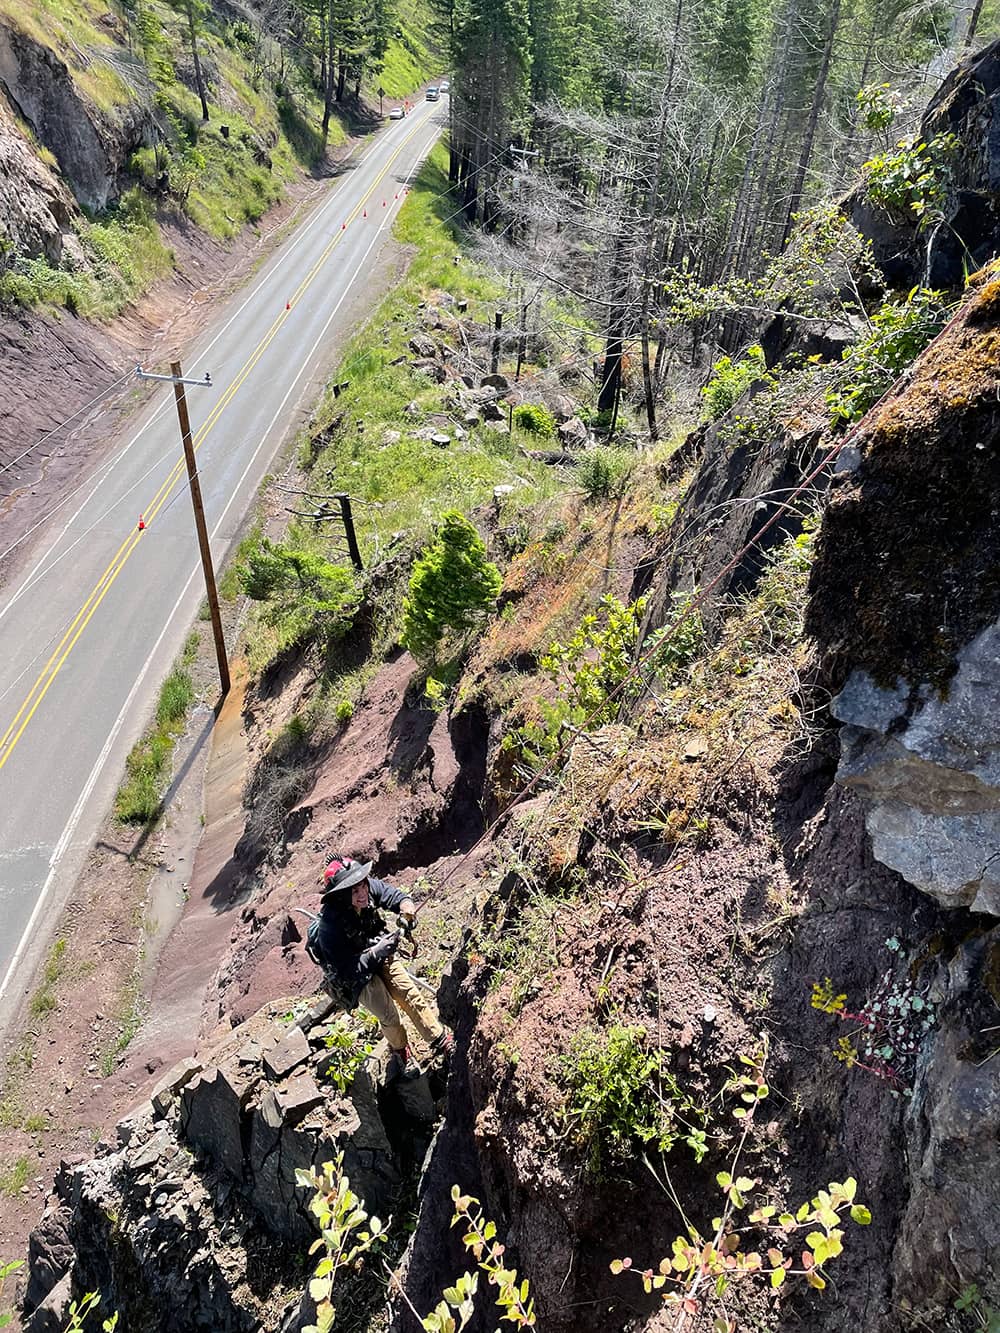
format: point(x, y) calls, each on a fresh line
point(270, 270)
point(64, 840)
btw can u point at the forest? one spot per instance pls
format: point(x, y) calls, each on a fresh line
point(656, 160)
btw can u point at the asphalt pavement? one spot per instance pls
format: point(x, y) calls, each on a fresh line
point(93, 626)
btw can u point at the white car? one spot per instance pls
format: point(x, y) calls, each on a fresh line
point(443, 86)
point(397, 113)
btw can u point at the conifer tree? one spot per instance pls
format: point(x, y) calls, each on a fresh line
point(452, 588)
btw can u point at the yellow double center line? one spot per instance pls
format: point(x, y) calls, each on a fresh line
point(118, 561)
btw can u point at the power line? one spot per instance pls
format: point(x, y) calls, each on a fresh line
point(116, 384)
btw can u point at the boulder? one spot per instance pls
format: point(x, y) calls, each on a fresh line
point(572, 433)
point(929, 767)
point(172, 1084)
point(52, 1314)
point(561, 406)
point(50, 1254)
point(213, 1105)
point(291, 1051)
point(434, 370)
point(423, 346)
point(477, 399)
point(496, 381)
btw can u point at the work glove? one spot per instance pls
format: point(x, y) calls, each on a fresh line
point(383, 949)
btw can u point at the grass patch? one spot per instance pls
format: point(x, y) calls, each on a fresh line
point(410, 57)
point(125, 254)
point(412, 480)
point(14, 1177)
point(44, 999)
point(147, 767)
point(131, 1013)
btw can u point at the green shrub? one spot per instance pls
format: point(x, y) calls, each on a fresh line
point(535, 418)
point(347, 1048)
point(897, 334)
point(344, 711)
point(597, 664)
point(914, 178)
point(603, 470)
point(730, 379)
point(305, 595)
point(619, 1093)
point(453, 587)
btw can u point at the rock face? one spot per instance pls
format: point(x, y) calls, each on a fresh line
point(967, 106)
point(929, 766)
point(948, 1237)
point(195, 1219)
point(35, 208)
point(720, 512)
point(91, 149)
point(905, 604)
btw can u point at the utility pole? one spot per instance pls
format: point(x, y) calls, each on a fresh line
point(177, 379)
point(199, 522)
point(495, 354)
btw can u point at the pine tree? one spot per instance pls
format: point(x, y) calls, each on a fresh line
point(452, 588)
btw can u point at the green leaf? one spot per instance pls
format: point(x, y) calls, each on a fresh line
point(777, 1277)
point(861, 1215)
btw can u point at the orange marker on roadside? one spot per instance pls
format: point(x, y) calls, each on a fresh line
point(142, 524)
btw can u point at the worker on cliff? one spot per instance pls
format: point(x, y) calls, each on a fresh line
point(353, 944)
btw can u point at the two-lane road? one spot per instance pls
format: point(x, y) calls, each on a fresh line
point(89, 632)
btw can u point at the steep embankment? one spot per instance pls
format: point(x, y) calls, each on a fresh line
point(724, 952)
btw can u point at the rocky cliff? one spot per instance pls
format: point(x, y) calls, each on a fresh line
point(780, 854)
point(194, 1217)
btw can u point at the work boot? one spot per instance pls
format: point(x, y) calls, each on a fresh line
point(403, 1065)
point(442, 1045)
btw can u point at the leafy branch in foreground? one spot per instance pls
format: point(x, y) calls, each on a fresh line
point(700, 1271)
point(6, 1271)
point(347, 1234)
point(79, 1310)
point(457, 1307)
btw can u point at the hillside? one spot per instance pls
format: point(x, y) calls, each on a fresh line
point(126, 206)
point(666, 681)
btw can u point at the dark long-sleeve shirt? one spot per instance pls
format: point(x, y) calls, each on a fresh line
point(345, 935)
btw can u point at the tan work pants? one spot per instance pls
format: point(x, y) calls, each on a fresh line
point(392, 985)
